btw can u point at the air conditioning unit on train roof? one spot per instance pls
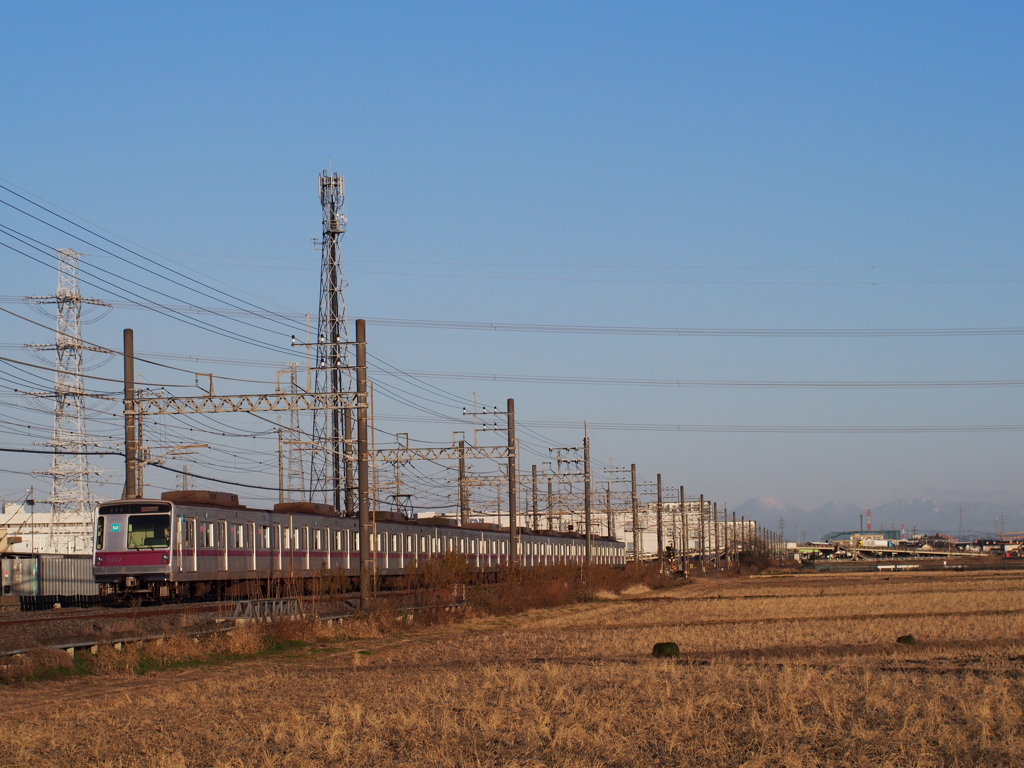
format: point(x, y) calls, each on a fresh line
point(481, 526)
point(220, 498)
point(305, 508)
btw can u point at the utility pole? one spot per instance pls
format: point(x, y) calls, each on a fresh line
point(551, 493)
point(725, 535)
point(130, 445)
point(463, 500)
point(686, 532)
point(366, 567)
point(513, 530)
point(661, 537)
point(635, 503)
point(735, 550)
point(703, 539)
point(608, 509)
point(536, 513)
point(280, 464)
point(717, 542)
point(589, 548)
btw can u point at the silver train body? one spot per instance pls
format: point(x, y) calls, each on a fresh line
point(176, 549)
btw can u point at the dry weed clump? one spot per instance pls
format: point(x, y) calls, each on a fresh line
point(523, 589)
point(35, 664)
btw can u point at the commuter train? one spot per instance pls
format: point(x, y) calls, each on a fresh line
point(196, 543)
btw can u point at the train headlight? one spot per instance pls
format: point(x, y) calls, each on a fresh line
point(99, 559)
point(165, 558)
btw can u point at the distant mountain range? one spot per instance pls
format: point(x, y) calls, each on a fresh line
point(979, 518)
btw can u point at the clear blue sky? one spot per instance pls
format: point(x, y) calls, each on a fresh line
point(725, 165)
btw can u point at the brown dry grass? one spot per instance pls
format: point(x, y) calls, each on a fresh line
point(801, 671)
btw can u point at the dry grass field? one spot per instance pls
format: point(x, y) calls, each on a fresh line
point(790, 671)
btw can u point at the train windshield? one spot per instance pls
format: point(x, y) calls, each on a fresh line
point(99, 533)
point(149, 531)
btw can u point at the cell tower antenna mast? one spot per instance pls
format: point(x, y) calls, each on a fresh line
point(330, 459)
point(70, 499)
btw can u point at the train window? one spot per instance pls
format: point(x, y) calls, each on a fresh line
point(287, 538)
point(265, 536)
point(149, 531)
point(355, 540)
point(410, 543)
point(395, 545)
point(99, 533)
point(304, 538)
point(337, 542)
point(504, 547)
point(189, 528)
point(318, 539)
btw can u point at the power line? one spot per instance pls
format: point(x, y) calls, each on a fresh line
point(599, 380)
point(156, 263)
point(156, 307)
point(459, 325)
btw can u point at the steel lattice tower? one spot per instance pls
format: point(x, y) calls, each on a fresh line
point(329, 466)
point(71, 501)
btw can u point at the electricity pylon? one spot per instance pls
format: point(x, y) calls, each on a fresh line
point(71, 500)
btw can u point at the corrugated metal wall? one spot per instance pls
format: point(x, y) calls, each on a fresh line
point(50, 575)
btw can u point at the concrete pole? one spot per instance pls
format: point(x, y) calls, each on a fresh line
point(686, 532)
point(635, 501)
point(463, 495)
point(661, 535)
point(130, 444)
point(589, 545)
point(536, 513)
point(513, 522)
point(366, 566)
point(608, 509)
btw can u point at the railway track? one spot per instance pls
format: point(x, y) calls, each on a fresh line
point(120, 613)
point(73, 630)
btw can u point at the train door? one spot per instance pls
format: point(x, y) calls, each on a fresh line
point(275, 547)
point(222, 545)
point(250, 534)
point(189, 544)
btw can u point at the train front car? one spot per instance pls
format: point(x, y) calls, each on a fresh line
point(133, 547)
